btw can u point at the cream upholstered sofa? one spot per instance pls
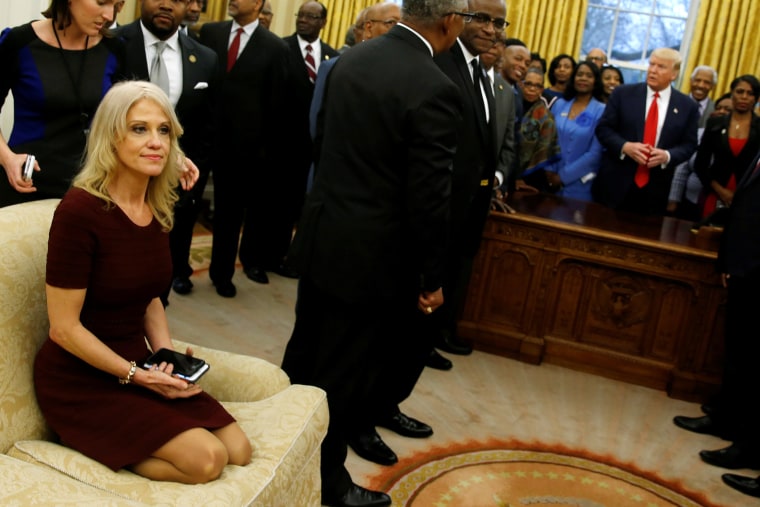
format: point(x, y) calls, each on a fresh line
point(286, 423)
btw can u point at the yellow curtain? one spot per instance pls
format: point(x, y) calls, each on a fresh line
point(341, 14)
point(547, 26)
point(725, 38)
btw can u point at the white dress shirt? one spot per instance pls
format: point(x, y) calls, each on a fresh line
point(316, 50)
point(662, 107)
point(172, 60)
point(245, 36)
point(469, 57)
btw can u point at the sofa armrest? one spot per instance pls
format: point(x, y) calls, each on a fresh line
point(236, 377)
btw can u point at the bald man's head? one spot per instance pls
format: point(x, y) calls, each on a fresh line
point(380, 18)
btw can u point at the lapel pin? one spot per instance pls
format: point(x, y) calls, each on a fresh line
point(192, 58)
point(675, 110)
point(501, 87)
point(723, 131)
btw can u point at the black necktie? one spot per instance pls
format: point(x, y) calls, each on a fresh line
point(477, 79)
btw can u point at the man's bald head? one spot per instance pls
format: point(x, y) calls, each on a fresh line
point(380, 18)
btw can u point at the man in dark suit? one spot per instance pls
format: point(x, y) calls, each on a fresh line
point(505, 113)
point(735, 413)
point(636, 172)
point(474, 163)
point(252, 136)
point(192, 70)
point(307, 53)
point(703, 80)
point(192, 16)
point(371, 241)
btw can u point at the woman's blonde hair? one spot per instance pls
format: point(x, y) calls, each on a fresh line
point(109, 128)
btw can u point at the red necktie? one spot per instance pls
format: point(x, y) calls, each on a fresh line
point(650, 138)
point(311, 68)
point(232, 53)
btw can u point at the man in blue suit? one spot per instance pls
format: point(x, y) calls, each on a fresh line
point(635, 174)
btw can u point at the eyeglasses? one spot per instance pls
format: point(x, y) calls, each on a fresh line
point(482, 18)
point(535, 86)
point(308, 16)
point(386, 22)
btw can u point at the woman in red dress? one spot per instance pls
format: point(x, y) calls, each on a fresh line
point(108, 263)
point(728, 145)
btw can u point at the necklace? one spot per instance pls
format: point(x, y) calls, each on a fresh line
point(84, 118)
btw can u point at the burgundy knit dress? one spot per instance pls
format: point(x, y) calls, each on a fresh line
point(123, 266)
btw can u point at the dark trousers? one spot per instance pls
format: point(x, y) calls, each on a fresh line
point(344, 348)
point(186, 212)
point(737, 407)
point(251, 202)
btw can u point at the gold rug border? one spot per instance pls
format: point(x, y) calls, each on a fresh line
point(538, 452)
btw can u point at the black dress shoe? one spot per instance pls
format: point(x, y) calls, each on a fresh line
point(182, 285)
point(371, 447)
point(356, 496)
point(704, 425)
point(437, 361)
point(747, 485)
point(258, 275)
point(285, 271)
point(407, 426)
point(731, 457)
point(225, 289)
point(707, 409)
point(449, 342)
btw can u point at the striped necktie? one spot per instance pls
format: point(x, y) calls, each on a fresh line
point(311, 68)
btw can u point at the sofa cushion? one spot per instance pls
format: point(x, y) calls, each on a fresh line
point(290, 424)
point(23, 484)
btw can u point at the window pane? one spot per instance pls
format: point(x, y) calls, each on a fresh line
point(608, 3)
point(637, 5)
point(666, 32)
point(630, 29)
point(678, 8)
point(633, 75)
point(598, 30)
point(630, 37)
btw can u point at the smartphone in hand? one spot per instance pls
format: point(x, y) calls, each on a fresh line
point(28, 169)
point(186, 367)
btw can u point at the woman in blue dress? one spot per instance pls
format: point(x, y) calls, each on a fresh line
point(576, 115)
point(58, 69)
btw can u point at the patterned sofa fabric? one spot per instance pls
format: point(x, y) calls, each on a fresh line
point(285, 423)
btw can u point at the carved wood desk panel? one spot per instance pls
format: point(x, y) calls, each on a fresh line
point(579, 285)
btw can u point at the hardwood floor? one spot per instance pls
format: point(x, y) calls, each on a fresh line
point(483, 396)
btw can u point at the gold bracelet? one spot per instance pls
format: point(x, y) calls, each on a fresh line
point(132, 370)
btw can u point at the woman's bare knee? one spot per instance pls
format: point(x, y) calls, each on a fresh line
point(237, 444)
point(197, 455)
point(206, 462)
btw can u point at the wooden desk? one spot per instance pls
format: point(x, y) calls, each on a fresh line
point(579, 285)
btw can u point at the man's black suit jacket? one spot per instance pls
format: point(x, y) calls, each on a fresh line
point(300, 103)
point(251, 97)
point(195, 106)
point(739, 253)
point(475, 159)
point(374, 226)
point(623, 120)
point(297, 58)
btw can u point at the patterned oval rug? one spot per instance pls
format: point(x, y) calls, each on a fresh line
point(499, 475)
